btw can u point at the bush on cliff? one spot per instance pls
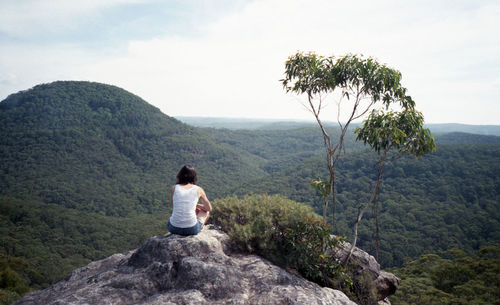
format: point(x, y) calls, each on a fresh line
point(16, 277)
point(283, 231)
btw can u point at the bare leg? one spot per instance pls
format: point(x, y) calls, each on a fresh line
point(203, 216)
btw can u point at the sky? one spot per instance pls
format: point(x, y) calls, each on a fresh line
point(225, 58)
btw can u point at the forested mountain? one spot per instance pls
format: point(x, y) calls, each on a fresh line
point(84, 170)
point(279, 148)
point(101, 149)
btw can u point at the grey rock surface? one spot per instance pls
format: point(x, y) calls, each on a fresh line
point(173, 269)
point(384, 302)
point(386, 283)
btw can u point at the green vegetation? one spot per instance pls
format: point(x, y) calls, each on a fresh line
point(469, 138)
point(272, 225)
point(363, 84)
point(85, 170)
point(48, 235)
point(446, 199)
point(391, 134)
point(277, 149)
point(98, 148)
point(454, 279)
point(16, 278)
point(449, 198)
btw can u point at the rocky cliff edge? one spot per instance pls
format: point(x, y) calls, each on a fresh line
point(172, 269)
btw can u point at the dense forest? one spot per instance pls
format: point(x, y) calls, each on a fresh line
point(446, 199)
point(84, 170)
point(101, 149)
point(454, 278)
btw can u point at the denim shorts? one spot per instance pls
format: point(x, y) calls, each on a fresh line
point(185, 231)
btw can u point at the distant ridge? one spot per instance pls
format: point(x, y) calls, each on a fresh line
point(491, 130)
point(255, 123)
point(243, 123)
point(466, 138)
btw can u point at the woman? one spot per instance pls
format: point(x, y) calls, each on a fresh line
point(188, 217)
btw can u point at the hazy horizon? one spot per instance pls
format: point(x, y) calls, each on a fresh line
point(181, 117)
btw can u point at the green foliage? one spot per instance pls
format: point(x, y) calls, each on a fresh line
point(16, 277)
point(84, 169)
point(9, 279)
point(256, 220)
point(457, 279)
point(354, 75)
point(467, 138)
point(321, 187)
point(391, 133)
point(401, 131)
point(449, 198)
point(308, 247)
point(100, 149)
point(56, 240)
point(277, 149)
point(283, 231)
point(7, 296)
point(364, 290)
point(357, 79)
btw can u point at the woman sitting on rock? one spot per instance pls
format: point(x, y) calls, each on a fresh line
point(188, 217)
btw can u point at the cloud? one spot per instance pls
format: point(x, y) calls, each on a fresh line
point(34, 17)
point(231, 62)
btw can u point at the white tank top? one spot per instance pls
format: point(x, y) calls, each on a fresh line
point(184, 213)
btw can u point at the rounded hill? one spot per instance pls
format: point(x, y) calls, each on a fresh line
point(99, 148)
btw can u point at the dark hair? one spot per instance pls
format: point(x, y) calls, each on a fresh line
point(186, 175)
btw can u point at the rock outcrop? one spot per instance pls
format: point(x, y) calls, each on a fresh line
point(364, 264)
point(171, 269)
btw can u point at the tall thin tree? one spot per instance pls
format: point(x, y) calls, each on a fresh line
point(362, 82)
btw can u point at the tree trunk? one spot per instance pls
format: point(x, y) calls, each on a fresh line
point(362, 211)
point(331, 169)
point(375, 219)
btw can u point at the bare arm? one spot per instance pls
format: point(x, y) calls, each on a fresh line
point(205, 203)
point(172, 196)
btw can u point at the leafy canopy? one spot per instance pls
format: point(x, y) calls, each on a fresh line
point(402, 131)
point(352, 74)
point(454, 278)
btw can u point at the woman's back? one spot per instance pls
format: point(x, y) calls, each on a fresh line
point(184, 201)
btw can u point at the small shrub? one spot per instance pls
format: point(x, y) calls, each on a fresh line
point(8, 297)
point(16, 277)
point(307, 246)
point(283, 231)
point(363, 290)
